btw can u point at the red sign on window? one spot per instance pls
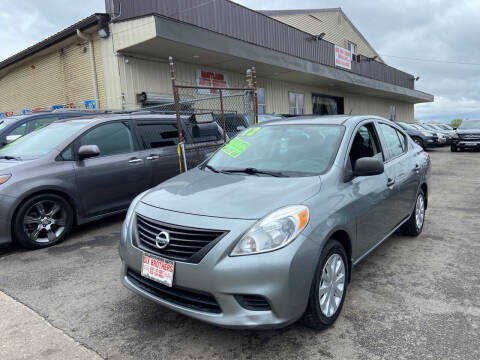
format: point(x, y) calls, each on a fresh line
point(343, 58)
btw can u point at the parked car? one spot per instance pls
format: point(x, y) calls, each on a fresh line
point(89, 168)
point(446, 133)
point(442, 140)
point(234, 123)
point(12, 128)
point(467, 136)
point(267, 230)
point(425, 139)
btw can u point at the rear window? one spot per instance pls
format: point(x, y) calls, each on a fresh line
point(205, 133)
point(157, 134)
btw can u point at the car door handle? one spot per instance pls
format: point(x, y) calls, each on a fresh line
point(134, 161)
point(153, 157)
point(390, 182)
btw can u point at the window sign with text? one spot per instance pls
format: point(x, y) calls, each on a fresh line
point(211, 79)
point(343, 57)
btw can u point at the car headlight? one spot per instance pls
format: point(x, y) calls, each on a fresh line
point(426, 133)
point(455, 135)
point(131, 208)
point(274, 231)
point(4, 178)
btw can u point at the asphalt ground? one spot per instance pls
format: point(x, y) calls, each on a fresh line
point(411, 298)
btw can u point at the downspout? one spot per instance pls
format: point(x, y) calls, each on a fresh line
point(93, 68)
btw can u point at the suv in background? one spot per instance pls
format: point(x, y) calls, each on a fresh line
point(14, 127)
point(422, 137)
point(467, 136)
point(89, 168)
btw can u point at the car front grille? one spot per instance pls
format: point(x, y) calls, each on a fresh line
point(187, 298)
point(186, 244)
point(469, 137)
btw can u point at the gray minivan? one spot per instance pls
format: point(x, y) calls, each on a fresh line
point(82, 169)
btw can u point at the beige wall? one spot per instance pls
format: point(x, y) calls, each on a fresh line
point(61, 76)
point(149, 75)
point(336, 28)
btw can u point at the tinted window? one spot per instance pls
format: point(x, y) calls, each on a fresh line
point(67, 154)
point(37, 123)
point(156, 135)
point(393, 141)
point(113, 138)
point(19, 130)
point(205, 132)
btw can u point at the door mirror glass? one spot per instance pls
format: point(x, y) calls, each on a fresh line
point(368, 166)
point(88, 151)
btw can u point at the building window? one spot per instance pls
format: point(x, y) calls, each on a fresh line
point(393, 113)
point(296, 103)
point(353, 49)
point(261, 101)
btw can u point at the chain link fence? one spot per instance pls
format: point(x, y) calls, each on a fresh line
point(216, 114)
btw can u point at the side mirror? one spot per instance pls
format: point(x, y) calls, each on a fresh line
point(11, 138)
point(88, 151)
point(368, 166)
point(454, 128)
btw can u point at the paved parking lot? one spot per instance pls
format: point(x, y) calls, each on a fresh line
point(411, 298)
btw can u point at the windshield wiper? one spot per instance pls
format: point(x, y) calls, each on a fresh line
point(8, 157)
point(210, 167)
point(254, 171)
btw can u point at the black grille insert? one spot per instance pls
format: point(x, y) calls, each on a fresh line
point(186, 244)
point(186, 298)
point(253, 302)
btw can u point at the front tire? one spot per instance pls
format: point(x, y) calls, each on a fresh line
point(42, 221)
point(414, 225)
point(329, 287)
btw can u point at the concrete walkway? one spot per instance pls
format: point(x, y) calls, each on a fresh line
point(26, 335)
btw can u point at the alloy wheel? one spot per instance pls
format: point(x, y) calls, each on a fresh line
point(420, 211)
point(332, 285)
point(45, 221)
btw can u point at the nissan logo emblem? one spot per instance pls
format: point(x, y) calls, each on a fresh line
point(162, 240)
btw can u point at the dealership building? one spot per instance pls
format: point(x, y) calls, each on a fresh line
point(307, 61)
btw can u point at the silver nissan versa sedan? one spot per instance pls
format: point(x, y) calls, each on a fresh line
point(267, 230)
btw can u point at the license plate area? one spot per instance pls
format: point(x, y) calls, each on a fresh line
point(158, 269)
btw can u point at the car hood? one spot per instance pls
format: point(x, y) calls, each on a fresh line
point(232, 196)
point(6, 166)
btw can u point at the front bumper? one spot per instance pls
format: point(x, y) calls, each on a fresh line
point(7, 203)
point(466, 144)
point(282, 277)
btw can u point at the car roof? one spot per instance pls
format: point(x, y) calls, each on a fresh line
point(323, 119)
point(143, 115)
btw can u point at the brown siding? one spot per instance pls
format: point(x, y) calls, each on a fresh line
point(60, 77)
point(236, 21)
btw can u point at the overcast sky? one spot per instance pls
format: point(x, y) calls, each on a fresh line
point(441, 30)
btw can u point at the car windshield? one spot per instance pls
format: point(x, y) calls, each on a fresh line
point(470, 124)
point(279, 150)
point(406, 126)
point(42, 141)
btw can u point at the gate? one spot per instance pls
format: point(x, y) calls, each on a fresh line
point(229, 110)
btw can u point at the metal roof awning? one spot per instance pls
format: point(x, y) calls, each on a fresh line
point(161, 37)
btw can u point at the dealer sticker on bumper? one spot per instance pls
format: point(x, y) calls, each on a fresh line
point(158, 269)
